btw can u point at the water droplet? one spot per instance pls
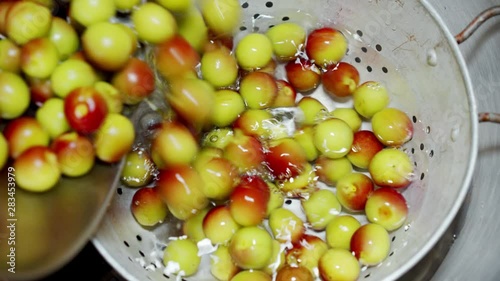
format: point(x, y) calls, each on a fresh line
point(455, 133)
point(431, 57)
point(214, 138)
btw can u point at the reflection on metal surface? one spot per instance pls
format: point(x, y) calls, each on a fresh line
point(49, 229)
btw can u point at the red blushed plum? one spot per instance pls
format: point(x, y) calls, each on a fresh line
point(40, 90)
point(353, 191)
point(258, 90)
point(364, 146)
point(180, 188)
point(135, 81)
point(251, 248)
point(220, 177)
point(147, 207)
point(193, 100)
point(392, 127)
point(37, 169)
point(286, 95)
point(245, 152)
point(39, 58)
point(326, 46)
point(173, 144)
point(252, 122)
point(285, 158)
point(114, 139)
point(294, 273)
point(387, 207)
point(340, 80)
point(303, 75)
point(75, 154)
point(175, 57)
point(391, 167)
point(248, 201)
point(219, 226)
point(85, 109)
point(370, 244)
point(286, 226)
point(307, 252)
point(23, 133)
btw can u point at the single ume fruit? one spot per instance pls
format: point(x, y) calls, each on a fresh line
point(392, 127)
point(338, 264)
point(288, 40)
point(153, 23)
point(26, 20)
point(181, 255)
point(75, 154)
point(147, 207)
point(107, 46)
point(370, 244)
point(39, 58)
point(37, 169)
point(251, 247)
point(102, 11)
point(391, 167)
point(14, 95)
point(326, 46)
point(114, 138)
point(254, 51)
point(369, 98)
point(333, 138)
point(221, 16)
point(51, 116)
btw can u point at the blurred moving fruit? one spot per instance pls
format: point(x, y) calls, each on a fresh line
point(153, 23)
point(138, 168)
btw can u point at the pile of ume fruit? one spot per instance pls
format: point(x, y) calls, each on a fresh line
point(222, 161)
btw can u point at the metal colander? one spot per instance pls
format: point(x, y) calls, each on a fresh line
point(404, 45)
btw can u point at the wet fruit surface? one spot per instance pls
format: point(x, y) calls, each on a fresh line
point(268, 149)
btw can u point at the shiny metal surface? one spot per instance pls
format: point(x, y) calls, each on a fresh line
point(50, 229)
point(470, 248)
